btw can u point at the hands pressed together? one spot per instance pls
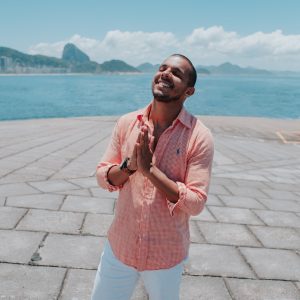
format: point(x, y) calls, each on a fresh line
point(141, 158)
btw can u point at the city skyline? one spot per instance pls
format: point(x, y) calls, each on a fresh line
point(262, 35)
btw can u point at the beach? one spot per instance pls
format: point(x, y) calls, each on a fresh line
point(54, 218)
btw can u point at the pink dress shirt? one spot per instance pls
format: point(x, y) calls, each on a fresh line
point(149, 232)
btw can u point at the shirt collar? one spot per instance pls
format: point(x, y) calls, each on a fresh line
point(183, 116)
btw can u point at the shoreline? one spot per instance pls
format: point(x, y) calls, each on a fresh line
point(248, 118)
point(69, 74)
point(263, 129)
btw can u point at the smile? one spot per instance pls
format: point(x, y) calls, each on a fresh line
point(165, 84)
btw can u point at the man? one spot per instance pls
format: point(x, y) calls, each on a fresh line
point(160, 159)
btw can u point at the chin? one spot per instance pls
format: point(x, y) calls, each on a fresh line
point(165, 98)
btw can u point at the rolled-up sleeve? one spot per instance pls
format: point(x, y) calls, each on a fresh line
point(192, 194)
point(111, 157)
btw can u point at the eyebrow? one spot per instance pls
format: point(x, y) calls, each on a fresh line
point(173, 68)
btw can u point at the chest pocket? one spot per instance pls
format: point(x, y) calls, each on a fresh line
point(173, 160)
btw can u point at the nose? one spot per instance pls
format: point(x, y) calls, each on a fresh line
point(165, 73)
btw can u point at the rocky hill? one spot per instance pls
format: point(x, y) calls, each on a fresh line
point(73, 61)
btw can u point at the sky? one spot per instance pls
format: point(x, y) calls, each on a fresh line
point(259, 33)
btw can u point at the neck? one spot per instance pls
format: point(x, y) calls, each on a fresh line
point(163, 114)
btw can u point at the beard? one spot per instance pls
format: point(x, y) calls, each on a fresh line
point(160, 97)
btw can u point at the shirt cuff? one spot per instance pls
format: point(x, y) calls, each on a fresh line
point(108, 185)
point(182, 190)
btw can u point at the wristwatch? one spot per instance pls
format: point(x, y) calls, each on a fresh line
point(124, 166)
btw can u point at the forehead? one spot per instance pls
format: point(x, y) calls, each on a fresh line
point(177, 62)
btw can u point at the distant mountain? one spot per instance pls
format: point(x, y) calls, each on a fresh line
point(76, 61)
point(117, 66)
point(201, 70)
point(13, 61)
point(230, 69)
point(73, 54)
point(148, 68)
point(73, 61)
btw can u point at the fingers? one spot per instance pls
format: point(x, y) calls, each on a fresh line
point(144, 141)
point(146, 135)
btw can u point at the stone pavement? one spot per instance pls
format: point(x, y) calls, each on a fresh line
point(54, 218)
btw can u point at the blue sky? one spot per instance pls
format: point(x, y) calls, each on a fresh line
point(261, 33)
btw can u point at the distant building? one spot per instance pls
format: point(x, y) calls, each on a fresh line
point(5, 63)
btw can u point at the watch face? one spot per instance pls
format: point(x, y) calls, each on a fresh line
point(124, 164)
point(124, 167)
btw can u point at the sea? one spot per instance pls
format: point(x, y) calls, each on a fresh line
point(56, 96)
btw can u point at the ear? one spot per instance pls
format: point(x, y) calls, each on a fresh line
point(190, 91)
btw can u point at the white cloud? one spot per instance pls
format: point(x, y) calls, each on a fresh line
point(212, 45)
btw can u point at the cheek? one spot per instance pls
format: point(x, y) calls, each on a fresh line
point(155, 78)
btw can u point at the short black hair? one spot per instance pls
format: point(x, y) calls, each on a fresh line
point(192, 74)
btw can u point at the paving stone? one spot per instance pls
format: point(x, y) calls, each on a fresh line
point(228, 234)
point(81, 192)
point(243, 175)
point(279, 194)
point(89, 204)
point(52, 221)
point(97, 224)
point(220, 158)
point(221, 180)
point(204, 215)
point(29, 282)
point(246, 191)
point(266, 172)
point(277, 218)
point(76, 169)
point(218, 189)
point(203, 288)
point(274, 237)
point(273, 263)
point(195, 234)
point(10, 216)
point(2, 201)
point(101, 193)
point(250, 183)
point(242, 289)
point(50, 186)
point(87, 182)
point(241, 202)
point(284, 186)
point(217, 261)
point(282, 180)
point(20, 178)
point(281, 205)
point(235, 215)
point(78, 285)
point(213, 200)
point(18, 246)
point(15, 189)
point(71, 251)
point(47, 201)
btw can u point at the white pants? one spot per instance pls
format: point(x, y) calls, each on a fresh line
point(116, 281)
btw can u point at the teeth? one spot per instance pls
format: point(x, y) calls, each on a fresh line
point(165, 84)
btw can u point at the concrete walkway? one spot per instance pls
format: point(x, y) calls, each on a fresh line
point(54, 218)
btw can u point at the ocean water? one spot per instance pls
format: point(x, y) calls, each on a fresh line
point(30, 97)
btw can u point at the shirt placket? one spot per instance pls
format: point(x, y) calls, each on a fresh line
point(143, 238)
